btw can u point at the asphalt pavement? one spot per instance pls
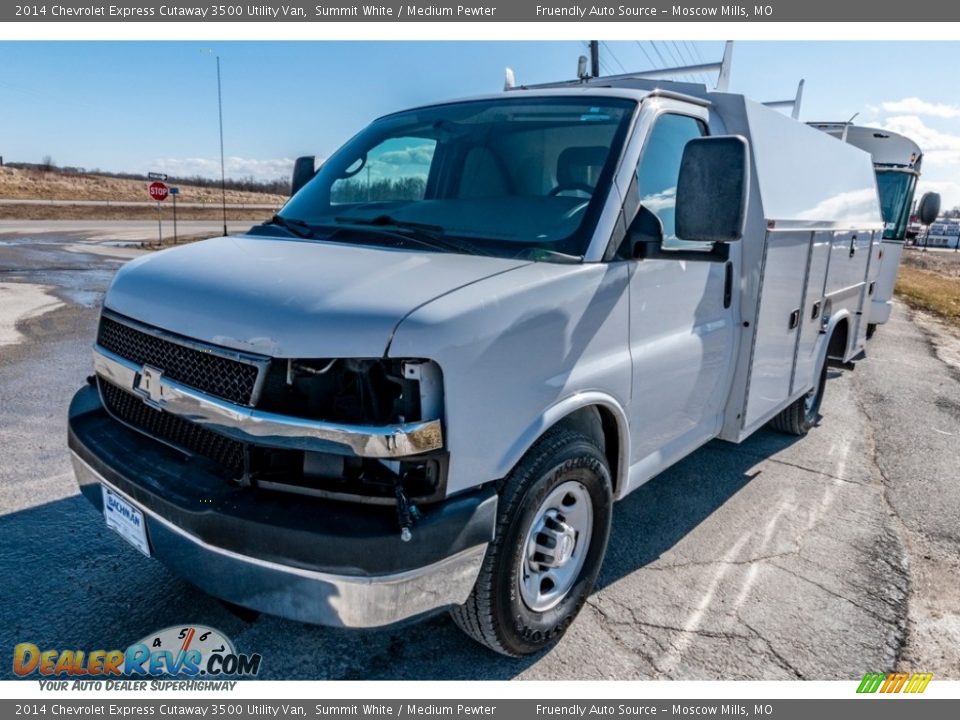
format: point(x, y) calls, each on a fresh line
point(820, 558)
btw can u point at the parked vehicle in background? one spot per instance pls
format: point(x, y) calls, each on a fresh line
point(424, 383)
point(897, 160)
point(944, 233)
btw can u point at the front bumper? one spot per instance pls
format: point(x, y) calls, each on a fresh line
point(880, 311)
point(308, 559)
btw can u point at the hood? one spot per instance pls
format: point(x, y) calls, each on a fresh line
point(288, 297)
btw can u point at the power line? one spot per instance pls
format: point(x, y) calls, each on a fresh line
point(646, 54)
point(683, 56)
point(676, 62)
point(614, 56)
point(683, 61)
point(659, 54)
point(695, 50)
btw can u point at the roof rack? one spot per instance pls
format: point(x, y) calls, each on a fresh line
point(793, 104)
point(722, 68)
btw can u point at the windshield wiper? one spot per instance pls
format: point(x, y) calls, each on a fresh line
point(426, 234)
point(297, 227)
point(544, 255)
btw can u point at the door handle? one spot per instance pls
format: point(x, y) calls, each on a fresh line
point(727, 284)
point(794, 318)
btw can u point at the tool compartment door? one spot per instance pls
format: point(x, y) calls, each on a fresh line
point(847, 281)
point(778, 324)
point(811, 314)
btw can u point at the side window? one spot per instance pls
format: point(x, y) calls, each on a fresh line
point(659, 170)
point(396, 169)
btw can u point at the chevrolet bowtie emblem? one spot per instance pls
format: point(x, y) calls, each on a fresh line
point(149, 386)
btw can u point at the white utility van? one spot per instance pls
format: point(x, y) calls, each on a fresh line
point(424, 384)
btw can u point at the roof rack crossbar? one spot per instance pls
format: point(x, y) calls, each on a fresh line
point(793, 104)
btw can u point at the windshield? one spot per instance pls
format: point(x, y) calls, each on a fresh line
point(510, 177)
point(896, 196)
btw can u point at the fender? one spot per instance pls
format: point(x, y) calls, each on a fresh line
point(556, 413)
point(826, 335)
point(835, 318)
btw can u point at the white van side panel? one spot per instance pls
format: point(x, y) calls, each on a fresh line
point(812, 198)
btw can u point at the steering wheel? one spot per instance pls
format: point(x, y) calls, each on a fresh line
point(582, 187)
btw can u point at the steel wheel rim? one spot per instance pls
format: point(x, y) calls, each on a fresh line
point(556, 546)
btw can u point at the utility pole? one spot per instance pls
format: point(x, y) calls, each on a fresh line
point(595, 58)
point(223, 176)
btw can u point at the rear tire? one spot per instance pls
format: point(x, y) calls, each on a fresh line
point(803, 413)
point(871, 329)
point(553, 522)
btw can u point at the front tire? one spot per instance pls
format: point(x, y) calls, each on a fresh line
point(552, 529)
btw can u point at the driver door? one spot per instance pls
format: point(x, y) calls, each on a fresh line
point(681, 319)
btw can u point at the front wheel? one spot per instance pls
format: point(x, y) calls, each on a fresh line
point(552, 529)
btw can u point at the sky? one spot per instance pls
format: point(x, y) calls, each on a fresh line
point(152, 106)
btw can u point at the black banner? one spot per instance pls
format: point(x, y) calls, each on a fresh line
point(874, 708)
point(488, 11)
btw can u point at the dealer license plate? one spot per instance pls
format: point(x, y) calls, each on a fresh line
point(126, 519)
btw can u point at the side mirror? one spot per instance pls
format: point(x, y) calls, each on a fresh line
point(303, 171)
point(929, 207)
point(645, 234)
point(712, 189)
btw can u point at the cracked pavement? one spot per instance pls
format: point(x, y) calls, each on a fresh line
point(821, 558)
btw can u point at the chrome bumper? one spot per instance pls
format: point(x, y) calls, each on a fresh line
point(297, 593)
point(265, 428)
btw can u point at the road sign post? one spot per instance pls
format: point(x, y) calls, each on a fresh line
point(174, 191)
point(158, 191)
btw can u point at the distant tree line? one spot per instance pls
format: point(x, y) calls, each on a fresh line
point(247, 184)
point(356, 190)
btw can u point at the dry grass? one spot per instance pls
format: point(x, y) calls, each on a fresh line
point(94, 212)
point(931, 281)
point(37, 184)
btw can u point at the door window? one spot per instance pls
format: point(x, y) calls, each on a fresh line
point(659, 170)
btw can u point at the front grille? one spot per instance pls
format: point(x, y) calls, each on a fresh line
point(208, 372)
point(172, 429)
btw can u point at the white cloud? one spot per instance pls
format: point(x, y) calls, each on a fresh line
point(941, 156)
point(236, 167)
point(916, 106)
point(938, 147)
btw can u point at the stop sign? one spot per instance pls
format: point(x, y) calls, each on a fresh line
point(158, 191)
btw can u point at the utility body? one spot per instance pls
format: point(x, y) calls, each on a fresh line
point(424, 384)
point(897, 161)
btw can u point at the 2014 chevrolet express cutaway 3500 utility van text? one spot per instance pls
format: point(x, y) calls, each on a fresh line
point(424, 383)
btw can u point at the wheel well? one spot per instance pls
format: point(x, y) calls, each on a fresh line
point(838, 340)
point(600, 424)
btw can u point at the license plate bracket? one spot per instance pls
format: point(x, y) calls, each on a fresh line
point(126, 519)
